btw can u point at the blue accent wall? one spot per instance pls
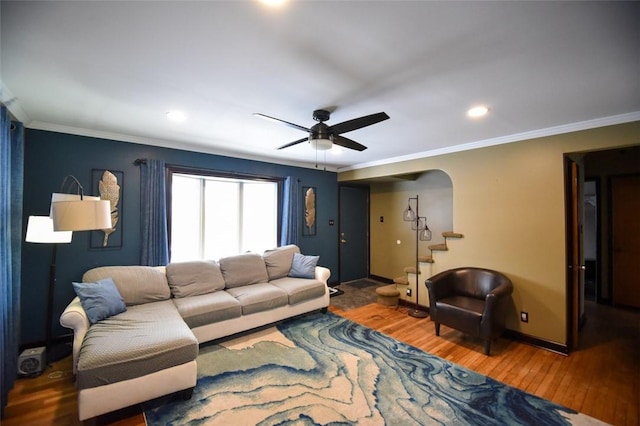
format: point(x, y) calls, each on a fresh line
point(50, 156)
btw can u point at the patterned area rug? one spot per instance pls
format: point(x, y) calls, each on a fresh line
point(322, 369)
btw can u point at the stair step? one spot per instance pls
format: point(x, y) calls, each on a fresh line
point(401, 280)
point(425, 259)
point(438, 247)
point(452, 235)
point(410, 270)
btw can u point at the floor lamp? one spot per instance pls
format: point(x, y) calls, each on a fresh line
point(40, 230)
point(70, 212)
point(423, 233)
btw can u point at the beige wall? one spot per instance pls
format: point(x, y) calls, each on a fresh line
point(508, 201)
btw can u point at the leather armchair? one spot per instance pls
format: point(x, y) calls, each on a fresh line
point(471, 300)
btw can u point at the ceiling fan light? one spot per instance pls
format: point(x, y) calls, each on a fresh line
point(321, 144)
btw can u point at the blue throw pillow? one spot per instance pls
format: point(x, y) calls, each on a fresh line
point(100, 300)
point(303, 266)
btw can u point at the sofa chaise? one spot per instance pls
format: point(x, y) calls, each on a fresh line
point(145, 344)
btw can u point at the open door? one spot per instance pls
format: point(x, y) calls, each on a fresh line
point(574, 266)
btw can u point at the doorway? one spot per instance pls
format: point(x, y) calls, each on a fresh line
point(353, 243)
point(610, 191)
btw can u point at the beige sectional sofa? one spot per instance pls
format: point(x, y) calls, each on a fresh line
point(150, 349)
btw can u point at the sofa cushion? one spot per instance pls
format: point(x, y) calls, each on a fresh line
point(208, 308)
point(145, 339)
point(258, 297)
point(243, 269)
point(303, 266)
point(279, 261)
point(136, 284)
point(100, 300)
point(194, 278)
point(300, 289)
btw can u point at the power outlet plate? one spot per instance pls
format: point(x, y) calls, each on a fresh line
point(524, 316)
point(408, 292)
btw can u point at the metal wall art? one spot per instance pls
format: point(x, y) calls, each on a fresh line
point(108, 184)
point(309, 197)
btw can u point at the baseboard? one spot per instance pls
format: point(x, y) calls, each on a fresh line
point(535, 341)
point(511, 334)
point(408, 304)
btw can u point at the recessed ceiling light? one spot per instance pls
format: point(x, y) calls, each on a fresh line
point(477, 111)
point(177, 116)
point(273, 3)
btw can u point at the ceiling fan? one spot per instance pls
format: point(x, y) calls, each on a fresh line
point(322, 136)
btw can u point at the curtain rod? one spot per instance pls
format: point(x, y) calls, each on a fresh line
point(139, 161)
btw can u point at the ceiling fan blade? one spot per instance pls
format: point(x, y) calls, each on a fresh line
point(358, 123)
point(305, 139)
point(295, 126)
point(348, 143)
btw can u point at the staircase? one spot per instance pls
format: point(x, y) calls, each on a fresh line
point(407, 283)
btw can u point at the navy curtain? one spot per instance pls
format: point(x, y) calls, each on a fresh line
point(11, 179)
point(153, 211)
point(290, 212)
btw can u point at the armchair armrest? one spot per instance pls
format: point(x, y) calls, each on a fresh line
point(495, 304)
point(75, 318)
point(497, 294)
point(323, 274)
point(503, 290)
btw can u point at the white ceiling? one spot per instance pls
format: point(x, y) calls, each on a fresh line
point(112, 69)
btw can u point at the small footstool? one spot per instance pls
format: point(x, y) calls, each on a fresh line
point(388, 295)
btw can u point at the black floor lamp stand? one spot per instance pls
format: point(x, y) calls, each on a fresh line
point(54, 352)
point(417, 223)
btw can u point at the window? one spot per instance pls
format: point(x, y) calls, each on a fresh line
point(215, 216)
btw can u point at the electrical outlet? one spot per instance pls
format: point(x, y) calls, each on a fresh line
point(408, 292)
point(524, 316)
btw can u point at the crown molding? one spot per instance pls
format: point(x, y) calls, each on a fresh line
point(517, 137)
point(17, 111)
point(38, 125)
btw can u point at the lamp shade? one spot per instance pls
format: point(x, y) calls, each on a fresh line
point(425, 234)
point(40, 230)
point(418, 224)
point(87, 214)
point(409, 215)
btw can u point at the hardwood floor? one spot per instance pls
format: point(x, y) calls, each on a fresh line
point(602, 379)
